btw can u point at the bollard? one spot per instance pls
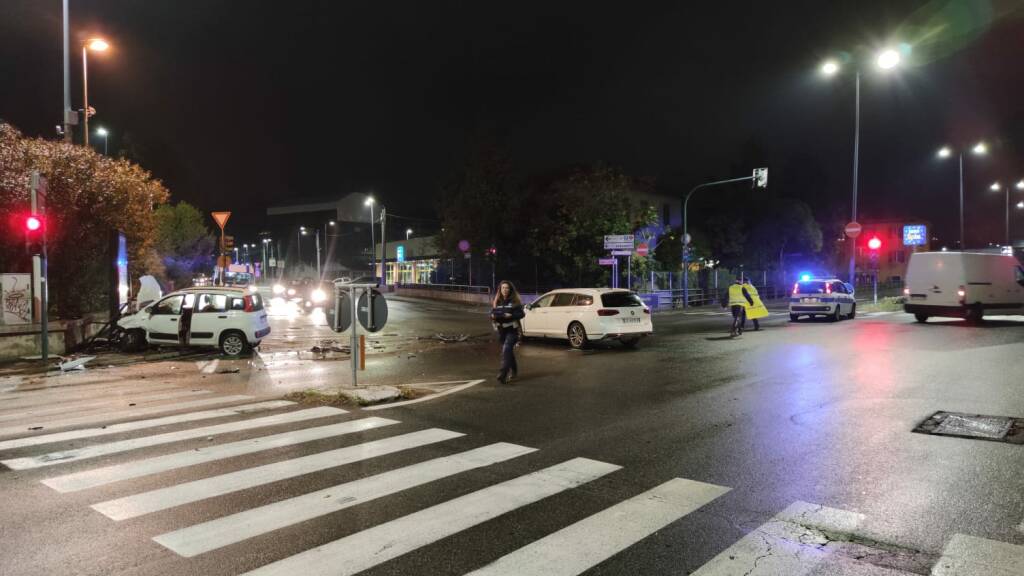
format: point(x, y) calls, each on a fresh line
point(362, 352)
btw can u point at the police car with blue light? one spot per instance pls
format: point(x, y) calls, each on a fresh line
point(828, 297)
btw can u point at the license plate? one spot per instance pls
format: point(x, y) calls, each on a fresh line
point(630, 320)
point(808, 300)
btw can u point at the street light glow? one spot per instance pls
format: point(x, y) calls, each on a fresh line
point(1020, 185)
point(1020, 204)
point(888, 59)
point(980, 148)
point(331, 223)
point(945, 152)
point(830, 67)
point(995, 187)
point(102, 131)
point(97, 44)
point(369, 201)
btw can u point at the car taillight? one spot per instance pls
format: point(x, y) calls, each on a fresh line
point(607, 312)
point(828, 288)
point(247, 300)
point(961, 292)
point(796, 288)
point(647, 310)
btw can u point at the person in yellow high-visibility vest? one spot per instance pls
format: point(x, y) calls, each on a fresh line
point(757, 309)
point(739, 300)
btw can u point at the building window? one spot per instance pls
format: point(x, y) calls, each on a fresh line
point(666, 214)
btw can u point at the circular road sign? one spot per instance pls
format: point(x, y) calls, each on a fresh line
point(463, 245)
point(380, 311)
point(853, 229)
point(687, 239)
point(339, 314)
point(641, 249)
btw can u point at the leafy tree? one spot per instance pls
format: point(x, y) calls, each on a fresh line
point(183, 241)
point(88, 197)
point(788, 226)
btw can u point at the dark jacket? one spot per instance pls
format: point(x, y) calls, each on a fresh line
point(508, 307)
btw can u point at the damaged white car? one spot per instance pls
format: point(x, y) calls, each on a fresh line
point(230, 319)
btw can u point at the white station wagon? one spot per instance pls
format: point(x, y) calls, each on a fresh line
point(230, 319)
point(583, 315)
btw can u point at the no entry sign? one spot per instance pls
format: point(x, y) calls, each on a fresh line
point(853, 229)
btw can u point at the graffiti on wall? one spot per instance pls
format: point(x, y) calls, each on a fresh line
point(16, 298)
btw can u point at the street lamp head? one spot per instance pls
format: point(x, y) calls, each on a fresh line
point(1020, 185)
point(995, 187)
point(97, 44)
point(980, 148)
point(888, 59)
point(369, 201)
point(1020, 204)
point(302, 228)
point(331, 223)
point(944, 152)
point(102, 132)
point(830, 68)
point(408, 231)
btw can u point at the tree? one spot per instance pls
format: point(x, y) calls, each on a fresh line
point(88, 197)
point(789, 226)
point(184, 243)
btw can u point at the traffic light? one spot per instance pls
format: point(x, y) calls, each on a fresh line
point(874, 243)
point(34, 230)
point(760, 179)
point(229, 243)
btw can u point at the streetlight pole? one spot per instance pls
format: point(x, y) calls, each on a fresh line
point(979, 149)
point(856, 167)
point(103, 132)
point(67, 77)
point(298, 241)
point(317, 237)
point(98, 45)
point(373, 242)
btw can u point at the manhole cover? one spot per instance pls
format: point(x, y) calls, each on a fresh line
point(976, 426)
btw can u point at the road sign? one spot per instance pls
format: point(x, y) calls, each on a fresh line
point(463, 245)
point(400, 253)
point(641, 249)
point(223, 261)
point(606, 261)
point(229, 242)
point(221, 218)
point(339, 314)
point(915, 235)
point(687, 239)
point(379, 312)
point(622, 252)
point(619, 242)
point(853, 229)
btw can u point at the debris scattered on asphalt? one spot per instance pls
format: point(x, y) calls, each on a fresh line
point(209, 438)
point(75, 364)
point(229, 371)
point(36, 428)
point(450, 338)
point(131, 403)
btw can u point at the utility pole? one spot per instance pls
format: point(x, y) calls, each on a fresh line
point(67, 79)
point(383, 246)
point(318, 254)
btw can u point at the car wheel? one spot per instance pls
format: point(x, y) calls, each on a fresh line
point(233, 343)
point(836, 317)
point(974, 315)
point(853, 312)
point(794, 317)
point(577, 336)
point(922, 318)
point(133, 340)
point(630, 342)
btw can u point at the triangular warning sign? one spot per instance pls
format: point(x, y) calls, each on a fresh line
point(221, 218)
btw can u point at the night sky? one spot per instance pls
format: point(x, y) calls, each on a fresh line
point(245, 104)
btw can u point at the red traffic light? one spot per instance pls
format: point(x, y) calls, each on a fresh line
point(33, 223)
point(874, 243)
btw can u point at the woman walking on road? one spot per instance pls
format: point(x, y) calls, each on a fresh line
point(506, 312)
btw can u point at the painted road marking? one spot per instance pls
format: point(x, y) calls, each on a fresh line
point(587, 543)
point(971, 556)
point(110, 474)
point(162, 499)
point(59, 397)
point(146, 441)
point(381, 543)
point(208, 367)
point(201, 538)
point(787, 544)
point(112, 402)
point(425, 398)
point(107, 416)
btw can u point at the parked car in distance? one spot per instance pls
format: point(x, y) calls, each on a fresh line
point(230, 319)
point(829, 297)
point(583, 315)
point(963, 285)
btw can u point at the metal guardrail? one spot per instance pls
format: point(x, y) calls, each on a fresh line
point(671, 299)
point(463, 288)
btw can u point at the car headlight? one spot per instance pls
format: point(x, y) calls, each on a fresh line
point(278, 289)
point(253, 288)
point(318, 296)
point(291, 291)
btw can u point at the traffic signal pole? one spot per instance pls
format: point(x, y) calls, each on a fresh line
point(758, 181)
point(38, 195)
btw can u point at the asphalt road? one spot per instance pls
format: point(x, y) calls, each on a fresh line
point(785, 451)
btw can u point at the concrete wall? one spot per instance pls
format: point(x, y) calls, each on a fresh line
point(481, 299)
point(20, 340)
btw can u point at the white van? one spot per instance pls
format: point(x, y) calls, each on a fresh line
point(963, 285)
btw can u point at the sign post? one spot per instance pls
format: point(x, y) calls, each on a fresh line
point(350, 310)
point(221, 218)
point(38, 198)
point(853, 229)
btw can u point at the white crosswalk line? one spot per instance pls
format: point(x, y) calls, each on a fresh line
point(788, 544)
point(63, 388)
point(381, 543)
point(85, 452)
point(97, 405)
point(71, 398)
point(201, 538)
point(117, 415)
point(164, 498)
point(587, 543)
point(109, 474)
point(143, 424)
point(971, 556)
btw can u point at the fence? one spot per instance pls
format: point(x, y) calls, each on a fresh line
point(452, 292)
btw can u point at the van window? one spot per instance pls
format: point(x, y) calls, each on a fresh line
point(1018, 272)
point(543, 302)
point(170, 306)
point(212, 303)
point(583, 300)
point(812, 287)
point(563, 299)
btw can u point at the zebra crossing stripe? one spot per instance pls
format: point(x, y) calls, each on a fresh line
point(164, 498)
point(72, 391)
point(583, 545)
point(109, 474)
point(70, 398)
point(115, 401)
point(787, 544)
point(384, 542)
point(201, 538)
point(971, 556)
point(107, 416)
point(147, 441)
